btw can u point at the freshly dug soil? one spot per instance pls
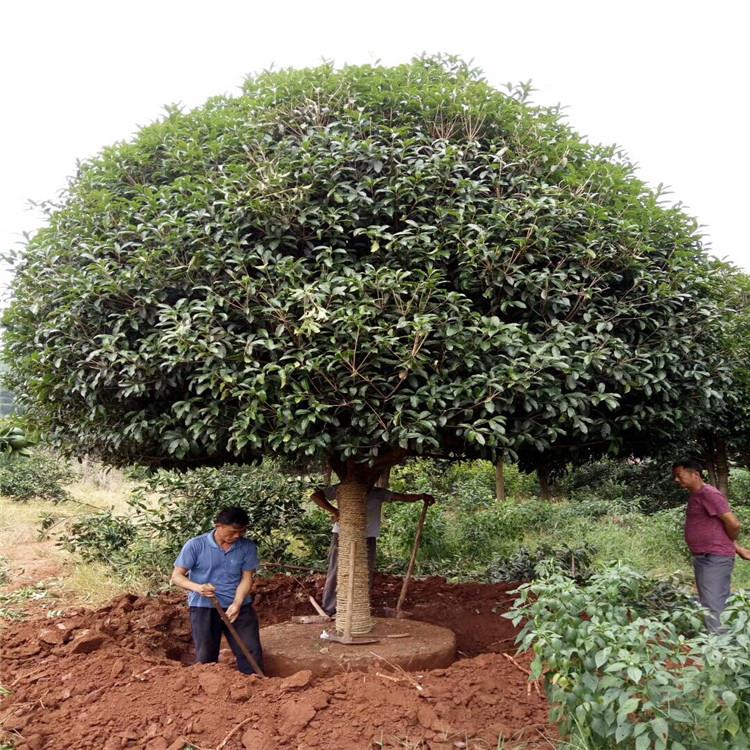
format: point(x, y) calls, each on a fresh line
point(118, 677)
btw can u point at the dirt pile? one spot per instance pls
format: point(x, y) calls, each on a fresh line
point(115, 678)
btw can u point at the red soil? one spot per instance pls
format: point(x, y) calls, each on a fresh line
point(116, 678)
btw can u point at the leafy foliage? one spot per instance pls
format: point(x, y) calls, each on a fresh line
point(37, 475)
point(621, 673)
point(357, 261)
point(644, 485)
point(189, 501)
point(13, 440)
point(99, 537)
point(169, 507)
point(523, 565)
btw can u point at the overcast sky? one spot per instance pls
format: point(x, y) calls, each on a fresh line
point(665, 80)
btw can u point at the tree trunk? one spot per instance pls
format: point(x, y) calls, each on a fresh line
point(717, 461)
point(500, 480)
point(711, 471)
point(542, 473)
point(351, 498)
point(722, 466)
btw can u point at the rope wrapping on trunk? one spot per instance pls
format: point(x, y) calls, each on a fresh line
point(351, 499)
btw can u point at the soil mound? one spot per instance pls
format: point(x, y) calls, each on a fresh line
point(117, 678)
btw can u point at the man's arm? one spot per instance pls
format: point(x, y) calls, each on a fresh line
point(406, 497)
point(243, 589)
point(731, 524)
point(742, 552)
point(179, 578)
point(322, 502)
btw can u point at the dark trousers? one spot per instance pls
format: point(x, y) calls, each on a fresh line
point(713, 579)
point(329, 590)
point(207, 631)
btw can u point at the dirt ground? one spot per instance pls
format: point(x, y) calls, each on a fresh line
point(119, 677)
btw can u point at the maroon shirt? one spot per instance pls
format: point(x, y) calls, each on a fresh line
point(704, 531)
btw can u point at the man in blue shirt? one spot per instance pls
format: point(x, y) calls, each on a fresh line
point(221, 564)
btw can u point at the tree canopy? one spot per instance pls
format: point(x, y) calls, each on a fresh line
point(354, 262)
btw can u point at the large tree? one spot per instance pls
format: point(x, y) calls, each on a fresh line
point(358, 265)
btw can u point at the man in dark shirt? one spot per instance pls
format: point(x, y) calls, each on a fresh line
point(710, 531)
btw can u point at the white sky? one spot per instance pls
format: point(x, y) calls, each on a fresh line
point(666, 80)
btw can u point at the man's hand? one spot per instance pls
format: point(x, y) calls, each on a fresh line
point(742, 552)
point(233, 611)
point(321, 501)
point(428, 499)
point(731, 524)
point(207, 589)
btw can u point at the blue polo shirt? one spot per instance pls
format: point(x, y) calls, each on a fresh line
point(206, 562)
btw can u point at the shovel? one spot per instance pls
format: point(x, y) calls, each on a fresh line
point(398, 612)
point(245, 650)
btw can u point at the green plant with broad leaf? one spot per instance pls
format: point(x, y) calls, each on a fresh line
point(626, 663)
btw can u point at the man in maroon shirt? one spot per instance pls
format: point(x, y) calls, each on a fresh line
point(710, 531)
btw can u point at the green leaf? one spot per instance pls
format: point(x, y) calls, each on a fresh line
point(660, 727)
point(635, 674)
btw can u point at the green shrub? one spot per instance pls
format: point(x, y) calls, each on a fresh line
point(739, 487)
point(466, 482)
point(99, 537)
point(397, 538)
point(36, 476)
point(625, 666)
point(187, 503)
point(646, 486)
point(523, 564)
point(169, 507)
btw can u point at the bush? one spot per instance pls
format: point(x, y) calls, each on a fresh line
point(646, 486)
point(169, 507)
point(524, 564)
point(100, 537)
point(397, 539)
point(469, 483)
point(625, 665)
point(739, 487)
point(187, 503)
point(37, 476)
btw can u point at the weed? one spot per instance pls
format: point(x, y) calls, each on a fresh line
point(12, 603)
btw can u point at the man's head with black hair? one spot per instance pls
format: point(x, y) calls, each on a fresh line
point(688, 474)
point(230, 525)
point(232, 516)
point(689, 463)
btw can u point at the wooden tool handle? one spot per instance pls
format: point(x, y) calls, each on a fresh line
point(413, 559)
point(245, 650)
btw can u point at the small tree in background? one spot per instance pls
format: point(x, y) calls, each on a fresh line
point(722, 433)
point(358, 265)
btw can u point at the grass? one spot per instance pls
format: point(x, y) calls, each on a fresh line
point(100, 487)
point(93, 584)
point(11, 603)
point(23, 550)
point(652, 545)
